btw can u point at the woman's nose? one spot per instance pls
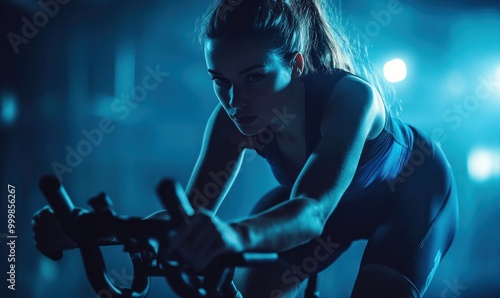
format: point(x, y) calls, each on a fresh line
point(236, 99)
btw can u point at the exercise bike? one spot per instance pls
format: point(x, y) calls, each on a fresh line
point(140, 238)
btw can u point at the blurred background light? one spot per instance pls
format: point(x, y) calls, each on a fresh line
point(48, 269)
point(124, 68)
point(395, 70)
point(456, 83)
point(483, 164)
point(103, 106)
point(496, 82)
point(9, 108)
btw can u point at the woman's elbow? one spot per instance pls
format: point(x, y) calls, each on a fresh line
point(316, 215)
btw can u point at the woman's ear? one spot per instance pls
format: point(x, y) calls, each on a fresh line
point(297, 64)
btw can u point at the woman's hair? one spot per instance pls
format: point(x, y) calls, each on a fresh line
point(307, 26)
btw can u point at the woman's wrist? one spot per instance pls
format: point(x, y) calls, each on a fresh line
point(243, 233)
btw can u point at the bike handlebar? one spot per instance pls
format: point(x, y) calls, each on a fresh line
point(88, 230)
point(57, 197)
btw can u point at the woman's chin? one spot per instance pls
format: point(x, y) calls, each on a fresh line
point(249, 130)
point(246, 131)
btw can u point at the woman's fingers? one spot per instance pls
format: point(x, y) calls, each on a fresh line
point(50, 238)
point(198, 243)
point(181, 243)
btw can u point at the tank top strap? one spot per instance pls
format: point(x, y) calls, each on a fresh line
point(318, 88)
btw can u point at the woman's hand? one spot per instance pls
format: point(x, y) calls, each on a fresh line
point(202, 240)
point(50, 238)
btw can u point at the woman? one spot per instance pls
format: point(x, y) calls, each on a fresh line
point(348, 169)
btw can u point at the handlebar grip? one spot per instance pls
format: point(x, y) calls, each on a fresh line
point(219, 274)
point(174, 199)
point(253, 258)
point(57, 197)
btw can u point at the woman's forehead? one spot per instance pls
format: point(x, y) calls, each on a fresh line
point(227, 53)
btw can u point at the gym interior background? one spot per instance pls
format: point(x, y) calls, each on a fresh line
point(113, 95)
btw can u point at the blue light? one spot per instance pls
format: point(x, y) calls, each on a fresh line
point(124, 68)
point(9, 108)
point(456, 84)
point(48, 270)
point(483, 164)
point(395, 70)
point(497, 81)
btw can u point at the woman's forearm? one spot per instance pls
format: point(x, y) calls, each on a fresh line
point(284, 226)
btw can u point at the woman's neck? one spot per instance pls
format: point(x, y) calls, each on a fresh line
point(290, 122)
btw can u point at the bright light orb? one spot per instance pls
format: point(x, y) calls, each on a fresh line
point(395, 70)
point(483, 164)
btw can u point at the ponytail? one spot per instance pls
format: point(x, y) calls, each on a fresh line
point(326, 49)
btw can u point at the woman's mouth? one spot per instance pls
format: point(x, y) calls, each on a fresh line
point(245, 120)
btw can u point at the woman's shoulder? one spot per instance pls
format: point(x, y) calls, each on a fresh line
point(338, 84)
point(354, 97)
point(330, 77)
point(323, 84)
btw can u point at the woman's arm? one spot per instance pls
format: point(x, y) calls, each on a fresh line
point(347, 121)
point(218, 163)
point(217, 166)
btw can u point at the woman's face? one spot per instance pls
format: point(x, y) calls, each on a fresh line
point(251, 81)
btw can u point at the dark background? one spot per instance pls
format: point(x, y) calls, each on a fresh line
point(66, 76)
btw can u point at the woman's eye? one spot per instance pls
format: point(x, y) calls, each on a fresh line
point(255, 77)
point(220, 81)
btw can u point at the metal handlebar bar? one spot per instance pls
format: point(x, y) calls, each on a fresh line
point(89, 229)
